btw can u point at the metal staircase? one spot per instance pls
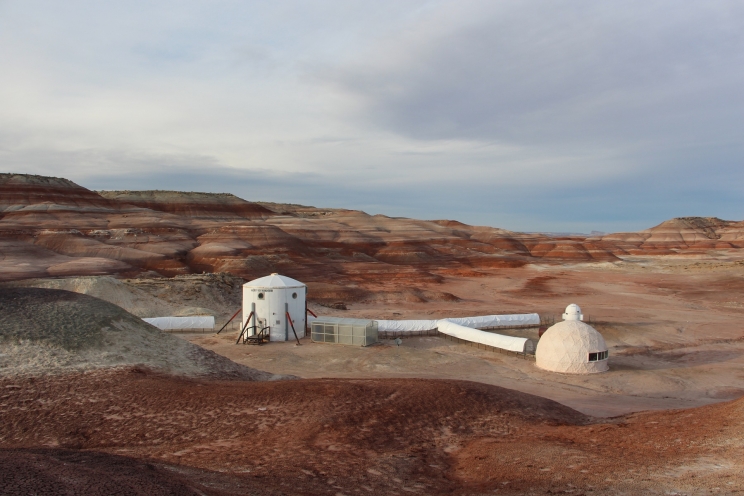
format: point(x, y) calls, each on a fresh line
point(258, 338)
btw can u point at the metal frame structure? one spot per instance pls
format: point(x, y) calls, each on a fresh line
point(336, 330)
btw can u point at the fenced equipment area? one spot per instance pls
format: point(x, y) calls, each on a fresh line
point(337, 330)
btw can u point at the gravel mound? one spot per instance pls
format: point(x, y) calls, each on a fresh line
point(205, 294)
point(106, 288)
point(47, 331)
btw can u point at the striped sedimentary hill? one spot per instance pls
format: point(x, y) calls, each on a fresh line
point(51, 227)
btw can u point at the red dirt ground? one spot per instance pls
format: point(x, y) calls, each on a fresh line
point(325, 436)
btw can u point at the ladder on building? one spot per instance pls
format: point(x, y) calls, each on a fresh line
point(258, 337)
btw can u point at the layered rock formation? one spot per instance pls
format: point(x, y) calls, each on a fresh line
point(680, 235)
point(21, 191)
point(53, 227)
point(191, 204)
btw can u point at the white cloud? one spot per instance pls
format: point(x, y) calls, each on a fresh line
point(389, 96)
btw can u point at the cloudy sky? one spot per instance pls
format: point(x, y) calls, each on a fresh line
point(529, 115)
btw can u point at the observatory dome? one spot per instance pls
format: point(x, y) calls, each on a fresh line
point(573, 312)
point(572, 347)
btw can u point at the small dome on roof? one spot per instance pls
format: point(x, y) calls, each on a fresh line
point(572, 347)
point(573, 312)
point(274, 281)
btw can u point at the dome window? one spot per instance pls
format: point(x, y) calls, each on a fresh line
point(595, 357)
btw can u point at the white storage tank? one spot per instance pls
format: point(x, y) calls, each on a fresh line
point(270, 298)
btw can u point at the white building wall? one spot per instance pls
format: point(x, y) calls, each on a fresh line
point(270, 310)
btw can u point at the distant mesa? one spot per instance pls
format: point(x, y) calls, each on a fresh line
point(191, 204)
point(21, 190)
point(690, 235)
point(51, 227)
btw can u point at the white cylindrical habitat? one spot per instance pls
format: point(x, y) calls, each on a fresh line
point(270, 298)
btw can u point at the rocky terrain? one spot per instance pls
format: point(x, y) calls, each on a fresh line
point(95, 401)
point(180, 296)
point(321, 436)
point(51, 227)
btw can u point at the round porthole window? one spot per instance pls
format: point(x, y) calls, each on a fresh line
point(260, 296)
point(294, 295)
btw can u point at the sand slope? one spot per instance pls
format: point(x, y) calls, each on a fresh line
point(375, 436)
point(181, 296)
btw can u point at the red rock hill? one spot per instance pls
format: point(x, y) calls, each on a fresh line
point(22, 190)
point(191, 204)
point(680, 235)
point(53, 227)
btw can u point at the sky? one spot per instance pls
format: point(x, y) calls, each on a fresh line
point(530, 115)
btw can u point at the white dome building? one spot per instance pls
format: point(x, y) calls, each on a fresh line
point(573, 312)
point(270, 299)
point(572, 347)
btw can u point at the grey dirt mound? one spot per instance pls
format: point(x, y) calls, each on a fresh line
point(58, 318)
point(47, 331)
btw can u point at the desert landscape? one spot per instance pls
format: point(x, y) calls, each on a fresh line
point(94, 400)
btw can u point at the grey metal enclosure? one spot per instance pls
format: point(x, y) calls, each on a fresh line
point(337, 330)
